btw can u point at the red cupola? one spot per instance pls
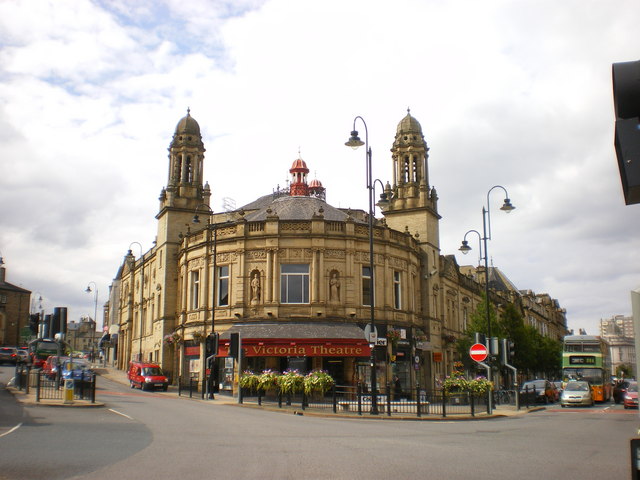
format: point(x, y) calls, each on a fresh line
point(299, 173)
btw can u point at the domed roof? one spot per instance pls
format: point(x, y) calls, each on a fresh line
point(187, 125)
point(298, 165)
point(315, 183)
point(409, 125)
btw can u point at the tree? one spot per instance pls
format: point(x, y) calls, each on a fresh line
point(624, 370)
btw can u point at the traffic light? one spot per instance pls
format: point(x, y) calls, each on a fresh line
point(507, 351)
point(626, 99)
point(34, 321)
point(480, 338)
point(211, 344)
point(234, 345)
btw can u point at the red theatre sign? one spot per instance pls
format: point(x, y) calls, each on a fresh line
point(478, 352)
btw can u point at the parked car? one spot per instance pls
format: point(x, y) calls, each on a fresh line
point(76, 369)
point(147, 376)
point(576, 392)
point(8, 355)
point(23, 356)
point(50, 365)
point(619, 390)
point(542, 389)
point(630, 399)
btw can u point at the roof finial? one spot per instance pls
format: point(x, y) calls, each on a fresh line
point(408, 111)
point(299, 155)
point(188, 112)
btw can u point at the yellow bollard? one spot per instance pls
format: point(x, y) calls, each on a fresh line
point(68, 391)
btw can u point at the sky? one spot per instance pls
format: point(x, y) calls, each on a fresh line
point(510, 93)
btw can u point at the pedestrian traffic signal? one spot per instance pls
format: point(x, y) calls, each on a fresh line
point(512, 350)
point(211, 344)
point(626, 99)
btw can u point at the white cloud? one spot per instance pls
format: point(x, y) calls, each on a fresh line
point(516, 94)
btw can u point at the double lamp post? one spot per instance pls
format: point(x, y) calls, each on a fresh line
point(482, 242)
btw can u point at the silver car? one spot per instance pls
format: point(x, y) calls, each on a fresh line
point(576, 393)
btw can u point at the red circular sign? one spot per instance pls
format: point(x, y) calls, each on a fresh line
point(478, 352)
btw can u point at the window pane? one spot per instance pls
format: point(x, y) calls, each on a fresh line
point(295, 268)
point(366, 286)
point(294, 283)
point(223, 292)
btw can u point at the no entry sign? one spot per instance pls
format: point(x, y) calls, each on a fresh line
point(478, 352)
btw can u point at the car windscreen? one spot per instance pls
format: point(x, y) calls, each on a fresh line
point(577, 387)
point(155, 371)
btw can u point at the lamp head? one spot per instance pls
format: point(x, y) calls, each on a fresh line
point(465, 248)
point(88, 290)
point(384, 201)
point(354, 142)
point(507, 207)
point(195, 219)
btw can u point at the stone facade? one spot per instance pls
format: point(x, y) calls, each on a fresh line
point(290, 273)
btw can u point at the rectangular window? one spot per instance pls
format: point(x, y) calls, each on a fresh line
point(366, 286)
point(195, 289)
point(223, 286)
point(397, 291)
point(294, 283)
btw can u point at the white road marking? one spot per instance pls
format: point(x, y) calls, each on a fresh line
point(120, 413)
point(12, 430)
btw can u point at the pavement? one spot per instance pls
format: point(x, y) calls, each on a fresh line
point(120, 376)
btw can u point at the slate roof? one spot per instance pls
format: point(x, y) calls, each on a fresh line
point(294, 208)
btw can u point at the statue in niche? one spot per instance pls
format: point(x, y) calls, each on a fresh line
point(334, 288)
point(255, 289)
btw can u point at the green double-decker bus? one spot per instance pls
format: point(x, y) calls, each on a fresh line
point(586, 357)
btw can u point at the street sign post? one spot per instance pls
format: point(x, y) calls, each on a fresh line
point(478, 352)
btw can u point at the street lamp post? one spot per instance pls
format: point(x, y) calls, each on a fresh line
point(355, 142)
point(196, 219)
point(95, 300)
point(129, 253)
point(465, 248)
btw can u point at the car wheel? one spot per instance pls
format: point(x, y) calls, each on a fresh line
point(562, 405)
point(165, 388)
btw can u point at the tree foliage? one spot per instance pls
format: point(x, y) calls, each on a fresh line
point(534, 354)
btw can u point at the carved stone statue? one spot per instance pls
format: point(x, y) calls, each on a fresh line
point(255, 289)
point(334, 288)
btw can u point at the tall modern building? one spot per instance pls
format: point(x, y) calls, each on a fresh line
point(291, 274)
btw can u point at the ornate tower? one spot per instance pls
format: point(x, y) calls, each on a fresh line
point(184, 191)
point(413, 207)
point(413, 204)
point(179, 201)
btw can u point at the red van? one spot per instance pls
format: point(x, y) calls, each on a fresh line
point(147, 376)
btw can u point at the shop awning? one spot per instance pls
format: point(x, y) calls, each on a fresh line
point(298, 340)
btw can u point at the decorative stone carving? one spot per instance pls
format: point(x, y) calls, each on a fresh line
point(334, 287)
point(255, 288)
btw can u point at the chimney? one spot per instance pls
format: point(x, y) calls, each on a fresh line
point(2, 273)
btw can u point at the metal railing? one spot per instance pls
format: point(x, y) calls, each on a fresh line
point(355, 400)
point(46, 388)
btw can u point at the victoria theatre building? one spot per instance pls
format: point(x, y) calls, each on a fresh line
point(291, 275)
